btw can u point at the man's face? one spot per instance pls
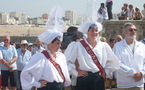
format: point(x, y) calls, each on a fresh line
point(102, 6)
point(39, 43)
point(130, 32)
point(6, 40)
point(119, 39)
point(112, 43)
point(24, 47)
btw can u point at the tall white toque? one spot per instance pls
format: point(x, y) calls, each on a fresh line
point(54, 26)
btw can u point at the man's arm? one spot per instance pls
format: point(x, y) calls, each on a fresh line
point(8, 64)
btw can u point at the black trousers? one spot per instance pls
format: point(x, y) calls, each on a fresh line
point(109, 9)
point(13, 76)
point(53, 86)
point(91, 82)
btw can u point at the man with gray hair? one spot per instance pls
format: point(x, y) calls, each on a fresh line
point(130, 52)
point(119, 38)
point(8, 66)
point(24, 56)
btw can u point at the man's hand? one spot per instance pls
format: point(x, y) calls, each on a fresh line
point(8, 64)
point(43, 83)
point(137, 76)
point(82, 73)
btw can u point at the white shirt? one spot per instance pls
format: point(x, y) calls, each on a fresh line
point(40, 68)
point(130, 14)
point(130, 63)
point(23, 60)
point(103, 52)
point(103, 14)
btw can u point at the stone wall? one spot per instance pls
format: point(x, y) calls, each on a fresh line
point(17, 39)
point(112, 28)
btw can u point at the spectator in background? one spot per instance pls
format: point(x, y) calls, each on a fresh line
point(23, 58)
point(103, 13)
point(9, 66)
point(112, 77)
point(72, 36)
point(119, 38)
point(131, 12)
point(30, 47)
point(138, 14)
point(103, 39)
point(124, 13)
point(112, 42)
point(38, 47)
point(143, 12)
point(120, 14)
point(109, 4)
point(14, 44)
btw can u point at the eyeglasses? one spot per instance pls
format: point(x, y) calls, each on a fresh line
point(131, 30)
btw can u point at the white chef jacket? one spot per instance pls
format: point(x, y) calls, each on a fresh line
point(130, 63)
point(40, 68)
point(106, 57)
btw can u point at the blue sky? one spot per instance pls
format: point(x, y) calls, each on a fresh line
point(35, 8)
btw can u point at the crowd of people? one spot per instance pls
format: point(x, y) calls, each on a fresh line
point(84, 63)
point(87, 61)
point(129, 12)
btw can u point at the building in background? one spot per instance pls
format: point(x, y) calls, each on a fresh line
point(72, 16)
point(45, 16)
point(20, 17)
point(4, 18)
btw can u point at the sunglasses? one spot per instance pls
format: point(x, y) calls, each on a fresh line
point(131, 30)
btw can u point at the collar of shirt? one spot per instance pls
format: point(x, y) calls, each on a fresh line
point(125, 43)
